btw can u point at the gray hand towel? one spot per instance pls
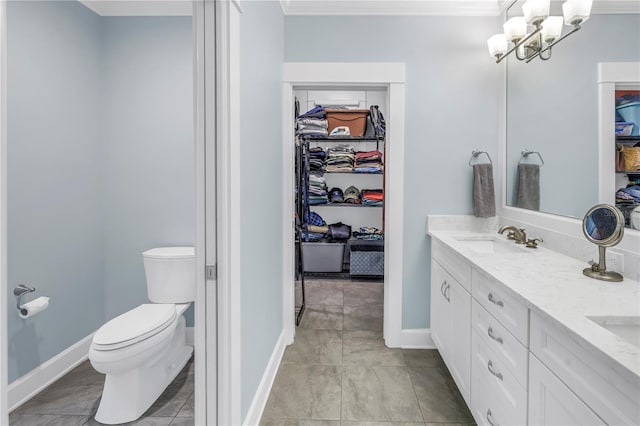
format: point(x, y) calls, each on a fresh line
point(484, 197)
point(529, 186)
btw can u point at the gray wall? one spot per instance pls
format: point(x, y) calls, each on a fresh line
point(101, 164)
point(552, 107)
point(148, 149)
point(451, 109)
point(55, 240)
point(261, 57)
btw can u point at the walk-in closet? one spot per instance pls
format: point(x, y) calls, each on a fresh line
point(340, 145)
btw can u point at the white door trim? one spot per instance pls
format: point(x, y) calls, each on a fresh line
point(228, 209)
point(4, 384)
point(392, 77)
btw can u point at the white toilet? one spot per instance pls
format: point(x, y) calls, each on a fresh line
point(143, 350)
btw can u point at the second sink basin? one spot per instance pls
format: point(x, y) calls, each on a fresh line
point(627, 328)
point(490, 244)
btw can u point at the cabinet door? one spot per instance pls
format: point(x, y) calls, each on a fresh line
point(460, 343)
point(552, 403)
point(440, 324)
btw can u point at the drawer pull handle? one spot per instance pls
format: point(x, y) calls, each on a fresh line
point(442, 288)
point(446, 296)
point(494, 337)
point(494, 301)
point(490, 418)
point(492, 371)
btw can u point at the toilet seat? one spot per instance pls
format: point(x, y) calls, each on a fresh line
point(135, 326)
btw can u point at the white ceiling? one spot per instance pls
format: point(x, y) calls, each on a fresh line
point(344, 7)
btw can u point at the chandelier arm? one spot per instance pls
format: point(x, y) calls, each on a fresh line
point(576, 27)
point(520, 43)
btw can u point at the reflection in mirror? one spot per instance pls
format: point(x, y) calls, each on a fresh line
point(552, 108)
point(603, 225)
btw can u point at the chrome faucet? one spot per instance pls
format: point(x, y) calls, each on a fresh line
point(516, 234)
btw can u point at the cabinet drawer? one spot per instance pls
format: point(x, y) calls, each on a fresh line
point(505, 308)
point(497, 398)
point(455, 264)
point(612, 396)
point(509, 350)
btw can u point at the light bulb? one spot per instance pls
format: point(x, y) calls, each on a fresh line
point(515, 28)
point(576, 11)
point(535, 11)
point(497, 45)
point(552, 28)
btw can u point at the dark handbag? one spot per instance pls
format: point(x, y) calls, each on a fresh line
point(339, 231)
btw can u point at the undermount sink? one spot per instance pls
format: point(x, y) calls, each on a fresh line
point(490, 244)
point(627, 328)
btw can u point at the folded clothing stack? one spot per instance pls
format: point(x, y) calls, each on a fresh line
point(368, 162)
point(369, 233)
point(313, 123)
point(340, 158)
point(372, 197)
point(316, 228)
point(628, 195)
point(316, 159)
point(317, 190)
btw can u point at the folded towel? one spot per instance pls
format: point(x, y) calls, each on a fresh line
point(529, 186)
point(484, 197)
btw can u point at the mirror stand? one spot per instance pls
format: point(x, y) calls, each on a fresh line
point(603, 225)
point(599, 270)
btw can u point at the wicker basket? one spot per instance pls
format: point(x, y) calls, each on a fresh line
point(631, 156)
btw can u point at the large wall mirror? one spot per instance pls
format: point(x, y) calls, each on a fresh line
point(552, 111)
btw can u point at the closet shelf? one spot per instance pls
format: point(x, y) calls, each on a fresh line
point(342, 138)
point(311, 206)
point(627, 139)
point(356, 173)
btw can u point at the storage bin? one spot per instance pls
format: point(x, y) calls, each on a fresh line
point(366, 260)
point(354, 119)
point(631, 114)
point(624, 128)
point(322, 257)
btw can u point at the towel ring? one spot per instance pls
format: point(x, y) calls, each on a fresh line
point(476, 153)
point(527, 152)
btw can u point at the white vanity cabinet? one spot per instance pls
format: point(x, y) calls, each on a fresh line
point(517, 357)
point(451, 317)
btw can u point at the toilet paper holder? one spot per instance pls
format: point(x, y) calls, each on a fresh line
point(19, 292)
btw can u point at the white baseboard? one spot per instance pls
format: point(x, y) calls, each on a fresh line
point(189, 336)
point(29, 385)
point(416, 338)
point(264, 388)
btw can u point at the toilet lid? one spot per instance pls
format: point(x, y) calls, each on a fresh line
point(134, 326)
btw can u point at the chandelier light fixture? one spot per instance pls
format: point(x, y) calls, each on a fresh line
point(534, 34)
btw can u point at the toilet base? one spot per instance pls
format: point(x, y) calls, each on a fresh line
point(127, 396)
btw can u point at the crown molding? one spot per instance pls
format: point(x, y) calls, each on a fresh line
point(430, 7)
point(391, 7)
point(140, 7)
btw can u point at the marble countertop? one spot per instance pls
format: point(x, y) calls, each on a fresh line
point(553, 284)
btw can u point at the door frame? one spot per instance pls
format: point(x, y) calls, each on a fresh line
point(4, 306)
point(206, 352)
point(392, 77)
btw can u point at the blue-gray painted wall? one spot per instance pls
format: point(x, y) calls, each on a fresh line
point(55, 239)
point(451, 108)
point(101, 164)
point(261, 58)
point(147, 147)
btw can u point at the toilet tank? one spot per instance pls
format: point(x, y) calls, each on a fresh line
point(171, 274)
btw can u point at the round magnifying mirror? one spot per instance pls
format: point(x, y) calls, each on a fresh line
point(603, 225)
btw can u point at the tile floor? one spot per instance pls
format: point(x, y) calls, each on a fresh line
point(73, 401)
point(338, 372)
